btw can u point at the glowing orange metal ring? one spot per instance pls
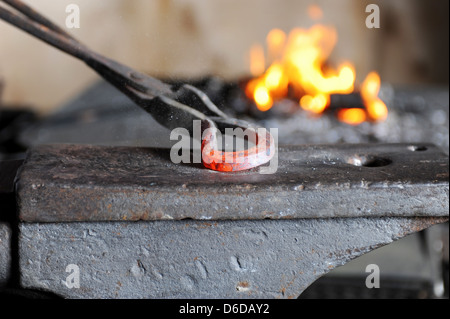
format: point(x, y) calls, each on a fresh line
point(217, 160)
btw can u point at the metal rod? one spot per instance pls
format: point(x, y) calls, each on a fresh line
point(35, 16)
point(42, 32)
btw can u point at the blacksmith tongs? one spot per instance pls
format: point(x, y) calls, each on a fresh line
point(172, 107)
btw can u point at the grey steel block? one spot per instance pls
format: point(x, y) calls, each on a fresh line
point(197, 259)
point(5, 253)
point(115, 217)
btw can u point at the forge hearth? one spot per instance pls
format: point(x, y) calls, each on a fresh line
point(101, 115)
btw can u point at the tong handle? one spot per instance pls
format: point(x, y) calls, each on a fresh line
point(42, 29)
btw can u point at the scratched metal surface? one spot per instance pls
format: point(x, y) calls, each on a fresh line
point(242, 259)
point(5, 253)
point(63, 183)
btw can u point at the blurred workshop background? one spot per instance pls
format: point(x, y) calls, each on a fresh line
point(190, 38)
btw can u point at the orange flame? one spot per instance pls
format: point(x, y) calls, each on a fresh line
point(376, 108)
point(315, 104)
point(299, 65)
point(275, 40)
point(352, 116)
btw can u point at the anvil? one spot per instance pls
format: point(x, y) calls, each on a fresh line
point(136, 225)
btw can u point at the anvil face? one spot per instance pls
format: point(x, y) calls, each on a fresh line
point(64, 183)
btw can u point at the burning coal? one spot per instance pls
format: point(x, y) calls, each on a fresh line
point(298, 68)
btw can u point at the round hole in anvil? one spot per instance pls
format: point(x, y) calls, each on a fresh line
point(417, 148)
point(369, 161)
point(377, 162)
